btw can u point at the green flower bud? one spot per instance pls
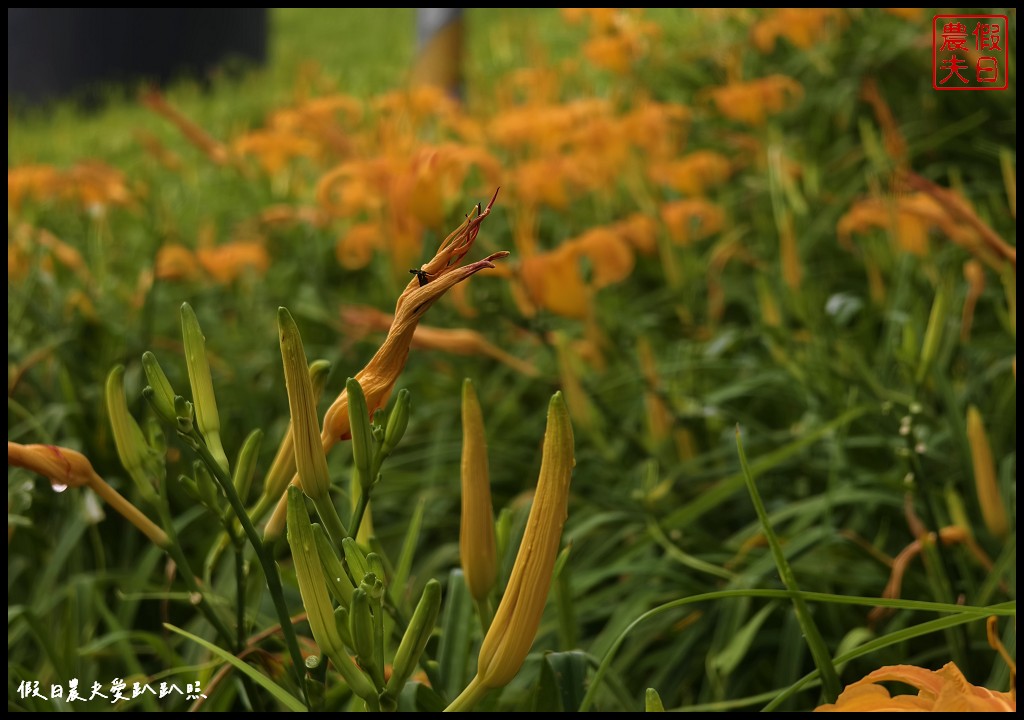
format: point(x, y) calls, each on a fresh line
point(337, 579)
point(355, 559)
point(159, 392)
point(245, 466)
point(362, 434)
point(416, 636)
point(653, 701)
point(341, 622)
point(209, 493)
point(398, 420)
point(207, 418)
point(360, 623)
point(144, 465)
point(316, 601)
point(477, 546)
point(183, 412)
point(310, 459)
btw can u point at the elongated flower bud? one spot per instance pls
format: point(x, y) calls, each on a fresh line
point(416, 635)
point(360, 623)
point(159, 392)
point(337, 579)
point(398, 420)
point(362, 437)
point(143, 464)
point(245, 467)
point(313, 589)
point(518, 616)
point(993, 511)
point(310, 459)
point(477, 550)
point(207, 418)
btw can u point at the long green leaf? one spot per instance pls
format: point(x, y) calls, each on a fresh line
point(283, 696)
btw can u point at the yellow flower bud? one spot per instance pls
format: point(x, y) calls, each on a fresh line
point(518, 616)
point(309, 453)
point(476, 535)
point(992, 508)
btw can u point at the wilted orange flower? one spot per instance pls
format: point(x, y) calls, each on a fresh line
point(950, 535)
point(210, 147)
point(379, 376)
point(65, 468)
point(803, 27)
point(438, 275)
point(692, 174)
point(752, 102)
point(360, 320)
point(945, 690)
point(693, 219)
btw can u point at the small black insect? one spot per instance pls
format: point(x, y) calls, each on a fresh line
point(422, 275)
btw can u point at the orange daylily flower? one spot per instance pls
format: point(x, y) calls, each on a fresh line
point(93, 185)
point(275, 149)
point(752, 102)
point(355, 247)
point(693, 173)
point(803, 27)
point(175, 262)
point(945, 690)
point(224, 263)
point(690, 220)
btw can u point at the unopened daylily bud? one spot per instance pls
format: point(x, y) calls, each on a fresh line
point(355, 559)
point(993, 511)
point(933, 333)
point(207, 418)
point(376, 566)
point(477, 547)
point(652, 702)
point(313, 589)
point(362, 435)
point(337, 579)
point(183, 412)
point(360, 623)
point(398, 420)
point(159, 392)
point(415, 638)
point(209, 493)
point(310, 459)
point(282, 469)
point(341, 622)
point(518, 616)
point(245, 466)
point(154, 434)
point(144, 465)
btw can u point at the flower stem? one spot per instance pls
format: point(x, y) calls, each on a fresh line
point(266, 562)
point(469, 697)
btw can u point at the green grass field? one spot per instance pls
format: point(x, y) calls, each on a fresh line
point(768, 269)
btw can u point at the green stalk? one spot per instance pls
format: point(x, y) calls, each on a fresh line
point(174, 550)
point(819, 651)
point(266, 561)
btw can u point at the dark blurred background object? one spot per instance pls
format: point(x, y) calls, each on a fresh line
point(56, 53)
